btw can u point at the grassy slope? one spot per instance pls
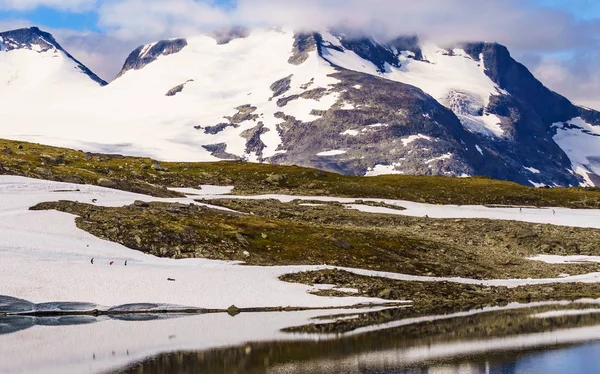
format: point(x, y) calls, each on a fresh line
point(147, 176)
point(275, 233)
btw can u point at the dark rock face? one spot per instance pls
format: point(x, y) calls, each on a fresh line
point(532, 109)
point(281, 86)
point(408, 43)
point(213, 130)
point(303, 45)
point(384, 123)
point(27, 38)
point(218, 150)
point(224, 36)
point(517, 79)
point(590, 116)
point(253, 142)
point(394, 112)
point(372, 51)
point(177, 89)
point(144, 55)
point(526, 108)
point(35, 39)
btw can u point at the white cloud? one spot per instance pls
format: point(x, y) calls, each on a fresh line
point(577, 77)
point(134, 19)
point(520, 25)
point(103, 54)
point(512, 22)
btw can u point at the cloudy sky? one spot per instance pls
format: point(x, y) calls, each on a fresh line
point(559, 40)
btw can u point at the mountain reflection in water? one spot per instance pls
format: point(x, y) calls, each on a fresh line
point(550, 338)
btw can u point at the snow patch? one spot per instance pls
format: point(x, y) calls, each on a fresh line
point(205, 190)
point(335, 152)
point(410, 139)
point(556, 259)
point(537, 185)
point(581, 142)
point(383, 170)
point(446, 156)
point(565, 313)
point(350, 132)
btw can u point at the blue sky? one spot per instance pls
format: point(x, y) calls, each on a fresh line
point(55, 18)
point(559, 40)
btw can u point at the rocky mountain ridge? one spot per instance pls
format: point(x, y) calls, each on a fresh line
point(39, 41)
point(350, 105)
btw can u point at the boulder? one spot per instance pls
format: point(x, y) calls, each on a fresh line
point(108, 183)
point(276, 179)
point(341, 243)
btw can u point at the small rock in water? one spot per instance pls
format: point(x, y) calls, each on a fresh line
point(233, 310)
point(171, 279)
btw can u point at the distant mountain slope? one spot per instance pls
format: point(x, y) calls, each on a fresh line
point(32, 58)
point(355, 106)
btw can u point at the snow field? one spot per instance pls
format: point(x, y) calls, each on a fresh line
point(44, 257)
point(133, 116)
point(56, 255)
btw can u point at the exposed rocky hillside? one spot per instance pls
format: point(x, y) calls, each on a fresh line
point(325, 100)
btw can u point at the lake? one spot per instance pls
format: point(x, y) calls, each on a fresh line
point(516, 338)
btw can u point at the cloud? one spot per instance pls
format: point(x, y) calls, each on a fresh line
point(103, 54)
point(576, 77)
point(135, 19)
point(552, 41)
point(513, 22)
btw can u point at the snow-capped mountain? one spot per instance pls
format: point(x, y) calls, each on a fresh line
point(356, 106)
point(31, 60)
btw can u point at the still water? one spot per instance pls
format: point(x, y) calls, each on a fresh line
point(527, 339)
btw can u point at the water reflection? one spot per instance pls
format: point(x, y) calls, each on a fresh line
point(515, 339)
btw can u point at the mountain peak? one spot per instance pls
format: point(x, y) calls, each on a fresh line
point(145, 54)
point(34, 39)
point(28, 38)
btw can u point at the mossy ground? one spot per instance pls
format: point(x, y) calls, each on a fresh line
point(273, 233)
point(148, 176)
point(432, 298)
